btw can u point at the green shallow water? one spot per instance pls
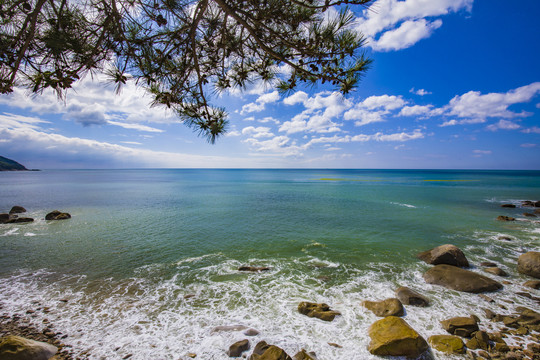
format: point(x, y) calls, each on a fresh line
point(143, 239)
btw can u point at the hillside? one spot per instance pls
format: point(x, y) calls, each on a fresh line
point(10, 165)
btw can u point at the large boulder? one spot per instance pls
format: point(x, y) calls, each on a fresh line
point(392, 336)
point(320, 311)
point(444, 254)
point(479, 341)
point(263, 351)
point(460, 279)
point(529, 264)
point(448, 344)
point(17, 210)
point(534, 284)
point(384, 308)
point(411, 297)
point(18, 348)
point(460, 326)
point(236, 349)
point(57, 215)
point(16, 220)
point(304, 355)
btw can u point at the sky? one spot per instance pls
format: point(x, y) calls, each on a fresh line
point(454, 84)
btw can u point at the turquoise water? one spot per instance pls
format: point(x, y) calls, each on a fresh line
point(141, 240)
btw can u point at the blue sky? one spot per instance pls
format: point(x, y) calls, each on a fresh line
point(455, 84)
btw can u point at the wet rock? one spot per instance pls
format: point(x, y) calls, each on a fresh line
point(304, 355)
point(488, 264)
point(445, 254)
point(411, 297)
point(505, 238)
point(229, 328)
point(4, 218)
point(17, 210)
point(535, 284)
point(191, 355)
point(251, 332)
point(253, 268)
point(448, 344)
point(19, 348)
point(528, 317)
point(335, 345)
point(508, 206)
point(460, 279)
point(514, 355)
point(268, 352)
point(529, 264)
point(480, 340)
point(490, 314)
point(460, 326)
point(527, 203)
point(17, 220)
point(496, 271)
point(57, 215)
point(505, 218)
point(534, 348)
point(526, 214)
point(236, 349)
point(487, 298)
point(260, 348)
point(320, 311)
point(537, 211)
point(388, 307)
point(393, 336)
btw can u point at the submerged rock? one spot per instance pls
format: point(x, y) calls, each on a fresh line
point(508, 205)
point(229, 328)
point(253, 268)
point(411, 297)
point(535, 284)
point(17, 210)
point(236, 349)
point(529, 264)
point(488, 264)
point(448, 344)
point(505, 238)
point(529, 214)
point(388, 307)
point(460, 279)
point(392, 336)
point(496, 271)
point(460, 326)
point(320, 311)
point(445, 254)
point(505, 218)
point(17, 220)
point(19, 348)
point(57, 215)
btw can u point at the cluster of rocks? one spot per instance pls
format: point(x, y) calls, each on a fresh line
point(13, 216)
point(265, 351)
point(524, 204)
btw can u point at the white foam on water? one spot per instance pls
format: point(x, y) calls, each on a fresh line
point(11, 232)
point(30, 234)
point(404, 205)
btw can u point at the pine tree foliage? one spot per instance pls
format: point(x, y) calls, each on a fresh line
point(182, 51)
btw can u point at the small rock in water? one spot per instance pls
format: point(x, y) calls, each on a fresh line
point(508, 206)
point(529, 264)
point(445, 254)
point(320, 311)
point(236, 349)
point(529, 214)
point(304, 355)
point(229, 328)
point(535, 284)
point(480, 340)
point(189, 296)
point(57, 215)
point(487, 298)
point(448, 344)
point(488, 264)
point(17, 210)
point(388, 307)
point(496, 271)
point(410, 297)
point(335, 345)
point(253, 268)
point(4, 218)
point(251, 332)
point(505, 238)
point(461, 326)
point(191, 355)
point(505, 218)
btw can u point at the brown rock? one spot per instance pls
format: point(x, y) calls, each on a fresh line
point(236, 349)
point(17, 210)
point(17, 220)
point(460, 279)
point(529, 264)
point(535, 284)
point(528, 214)
point(410, 297)
point(4, 218)
point(496, 271)
point(19, 348)
point(388, 307)
point(393, 336)
point(505, 218)
point(304, 355)
point(253, 268)
point(487, 298)
point(488, 264)
point(461, 326)
point(445, 254)
point(320, 311)
point(508, 206)
point(271, 353)
point(505, 238)
point(480, 340)
point(57, 215)
point(448, 344)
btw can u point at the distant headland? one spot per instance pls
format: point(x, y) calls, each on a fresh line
point(11, 165)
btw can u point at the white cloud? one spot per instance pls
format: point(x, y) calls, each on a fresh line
point(449, 123)
point(296, 98)
point(138, 127)
point(528, 145)
point(533, 130)
point(373, 108)
point(363, 117)
point(415, 110)
point(131, 142)
point(386, 102)
point(480, 153)
point(13, 121)
point(257, 132)
point(260, 103)
point(393, 24)
point(420, 92)
point(397, 137)
point(503, 125)
point(280, 145)
point(406, 35)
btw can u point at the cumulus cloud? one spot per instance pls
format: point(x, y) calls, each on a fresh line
point(373, 108)
point(503, 125)
point(532, 130)
point(416, 110)
point(280, 145)
point(528, 145)
point(379, 136)
point(260, 103)
point(394, 24)
point(257, 132)
point(420, 92)
point(480, 153)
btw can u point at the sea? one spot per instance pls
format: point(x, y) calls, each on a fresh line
point(147, 267)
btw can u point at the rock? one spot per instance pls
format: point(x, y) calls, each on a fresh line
point(253, 268)
point(508, 206)
point(236, 349)
point(320, 311)
point(460, 279)
point(57, 215)
point(496, 271)
point(535, 284)
point(526, 214)
point(480, 341)
point(448, 344)
point(487, 298)
point(229, 328)
point(335, 345)
point(488, 264)
point(251, 332)
point(537, 211)
point(445, 254)
point(534, 347)
point(410, 297)
point(490, 314)
point(268, 352)
point(505, 238)
point(528, 203)
point(4, 218)
point(18, 348)
point(505, 218)
point(529, 264)
point(17, 210)
point(527, 316)
point(461, 326)
point(19, 220)
point(393, 336)
point(388, 307)
point(304, 355)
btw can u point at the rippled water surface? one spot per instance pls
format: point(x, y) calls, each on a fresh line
point(148, 262)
